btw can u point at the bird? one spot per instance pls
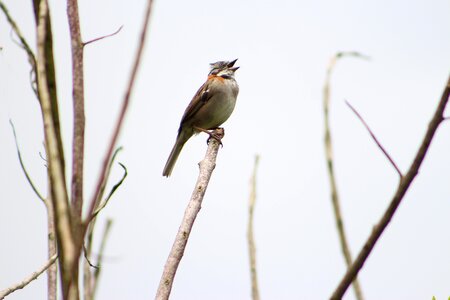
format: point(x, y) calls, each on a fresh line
point(210, 107)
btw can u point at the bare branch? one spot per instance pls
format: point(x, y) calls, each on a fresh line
point(330, 166)
point(250, 235)
point(207, 165)
point(103, 37)
point(125, 104)
point(375, 139)
point(78, 113)
point(405, 182)
point(28, 279)
point(68, 259)
point(23, 165)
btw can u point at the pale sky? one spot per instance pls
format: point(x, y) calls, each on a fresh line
point(283, 49)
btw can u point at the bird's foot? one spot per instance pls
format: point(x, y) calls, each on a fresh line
point(217, 134)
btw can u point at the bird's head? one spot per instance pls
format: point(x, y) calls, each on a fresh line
point(223, 69)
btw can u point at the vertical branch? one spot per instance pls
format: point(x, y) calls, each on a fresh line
point(207, 165)
point(250, 235)
point(330, 167)
point(403, 187)
point(78, 111)
point(53, 144)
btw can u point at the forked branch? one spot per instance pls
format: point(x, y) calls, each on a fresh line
point(405, 183)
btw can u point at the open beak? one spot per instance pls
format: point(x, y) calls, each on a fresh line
point(231, 63)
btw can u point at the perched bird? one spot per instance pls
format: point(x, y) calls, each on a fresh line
point(211, 106)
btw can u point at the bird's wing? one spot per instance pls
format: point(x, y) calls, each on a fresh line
point(201, 97)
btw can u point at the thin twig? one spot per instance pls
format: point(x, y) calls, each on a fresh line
point(114, 188)
point(103, 37)
point(250, 235)
point(207, 165)
point(330, 166)
point(102, 189)
point(405, 182)
point(125, 104)
point(375, 139)
point(23, 165)
point(28, 279)
point(87, 258)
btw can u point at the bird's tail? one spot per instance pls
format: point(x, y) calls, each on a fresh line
point(181, 140)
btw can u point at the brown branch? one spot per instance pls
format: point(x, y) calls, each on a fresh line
point(250, 235)
point(375, 139)
point(22, 165)
point(330, 166)
point(28, 279)
point(103, 37)
point(53, 145)
point(125, 104)
point(207, 166)
point(78, 114)
point(405, 182)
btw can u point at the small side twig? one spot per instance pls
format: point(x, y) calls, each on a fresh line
point(28, 279)
point(403, 187)
point(250, 235)
point(22, 165)
point(207, 166)
point(330, 166)
point(103, 37)
point(375, 139)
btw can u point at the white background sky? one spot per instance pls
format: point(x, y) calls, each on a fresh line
point(283, 49)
